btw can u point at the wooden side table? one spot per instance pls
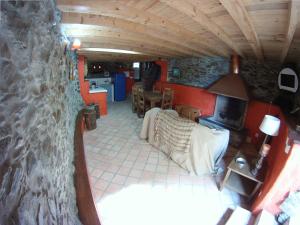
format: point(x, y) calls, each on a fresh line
point(240, 179)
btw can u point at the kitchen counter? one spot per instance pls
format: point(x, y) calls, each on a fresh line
point(97, 90)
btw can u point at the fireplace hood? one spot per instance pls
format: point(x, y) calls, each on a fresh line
point(231, 85)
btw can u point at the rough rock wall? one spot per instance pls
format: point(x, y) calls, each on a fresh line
point(261, 79)
point(202, 72)
point(38, 105)
point(199, 72)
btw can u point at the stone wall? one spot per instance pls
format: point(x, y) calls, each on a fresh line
point(198, 72)
point(38, 105)
point(261, 79)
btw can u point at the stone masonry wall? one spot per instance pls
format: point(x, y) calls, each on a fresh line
point(199, 72)
point(261, 79)
point(38, 106)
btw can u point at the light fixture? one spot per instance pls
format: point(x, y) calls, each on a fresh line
point(76, 44)
point(269, 126)
point(110, 50)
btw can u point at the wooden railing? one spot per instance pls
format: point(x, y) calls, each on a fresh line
point(85, 203)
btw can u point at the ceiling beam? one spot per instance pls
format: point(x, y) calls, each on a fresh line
point(239, 14)
point(194, 11)
point(110, 45)
point(117, 57)
point(133, 19)
point(97, 35)
point(133, 29)
point(292, 25)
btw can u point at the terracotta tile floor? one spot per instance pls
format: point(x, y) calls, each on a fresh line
point(135, 184)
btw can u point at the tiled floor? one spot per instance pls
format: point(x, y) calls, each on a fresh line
point(135, 184)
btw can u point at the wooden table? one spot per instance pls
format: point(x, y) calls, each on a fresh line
point(240, 179)
point(153, 98)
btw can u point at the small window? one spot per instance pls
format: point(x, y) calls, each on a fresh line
point(136, 65)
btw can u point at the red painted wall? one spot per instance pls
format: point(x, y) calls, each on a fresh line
point(192, 96)
point(187, 95)
point(255, 114)
point(98, 98)
point(283, 171)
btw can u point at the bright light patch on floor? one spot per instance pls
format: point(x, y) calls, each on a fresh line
point(134, 183)
point(160, 205)
point(111, 50)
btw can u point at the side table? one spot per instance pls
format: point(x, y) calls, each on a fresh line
point(240, 179)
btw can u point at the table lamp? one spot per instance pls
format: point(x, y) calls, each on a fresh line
point(269, 126)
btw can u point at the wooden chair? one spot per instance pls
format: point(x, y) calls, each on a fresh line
point(155, 90)
point(134, 96)
point(142, 106)
point(167, 99)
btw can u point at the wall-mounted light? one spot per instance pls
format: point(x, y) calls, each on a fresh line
point(76, 44)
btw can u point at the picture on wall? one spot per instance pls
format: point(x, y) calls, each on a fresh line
point(176, 72)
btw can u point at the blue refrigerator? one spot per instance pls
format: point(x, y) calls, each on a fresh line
point(120, 87)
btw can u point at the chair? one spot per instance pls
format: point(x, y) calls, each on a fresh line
point(155, 90)
point(134, 96)
point(142, 107)
point(167, 99)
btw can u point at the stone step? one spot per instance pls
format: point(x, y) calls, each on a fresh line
point(239, 216)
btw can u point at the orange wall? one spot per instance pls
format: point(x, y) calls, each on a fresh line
point(192, 96)
point(98, 98)
point(255, 114)
point(187, 95)
point(282, 169)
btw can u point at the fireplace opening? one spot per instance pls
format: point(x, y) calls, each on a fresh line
point(229, 112)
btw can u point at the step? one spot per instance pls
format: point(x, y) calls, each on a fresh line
point(239, 216)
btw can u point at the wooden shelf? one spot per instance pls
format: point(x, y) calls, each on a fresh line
point(240, 184)
point(240, 179)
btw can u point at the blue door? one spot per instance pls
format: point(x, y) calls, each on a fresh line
point(120, 87)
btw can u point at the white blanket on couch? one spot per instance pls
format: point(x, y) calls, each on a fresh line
point(206, 148)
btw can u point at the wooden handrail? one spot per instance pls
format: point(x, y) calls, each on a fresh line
point(84, 198)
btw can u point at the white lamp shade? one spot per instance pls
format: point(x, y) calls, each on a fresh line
point(270, 125)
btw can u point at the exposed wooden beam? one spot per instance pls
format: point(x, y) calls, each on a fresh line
point(133, 29)
point(127, 43)
point(117, 57)
point(194, 11)
point(239, 14)
point(292, 25)
point(93, 34)
point(145, 22)
point(109, 45)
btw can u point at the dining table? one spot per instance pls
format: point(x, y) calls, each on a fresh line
point(153, 97)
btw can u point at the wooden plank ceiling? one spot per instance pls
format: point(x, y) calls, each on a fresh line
point(265, 30)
